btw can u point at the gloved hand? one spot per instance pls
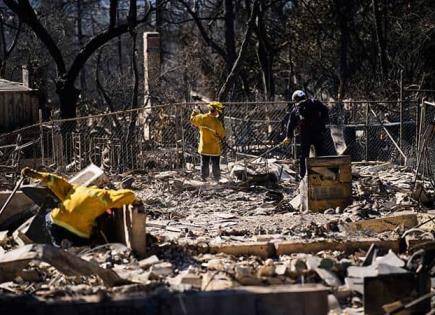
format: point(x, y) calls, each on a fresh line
point(27, 172)
point(286, 141)
point(195, 112)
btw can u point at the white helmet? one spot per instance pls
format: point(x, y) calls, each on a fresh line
point(298, 95)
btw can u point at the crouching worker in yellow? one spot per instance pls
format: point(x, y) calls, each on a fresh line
point(211, 133)
point(79, 207)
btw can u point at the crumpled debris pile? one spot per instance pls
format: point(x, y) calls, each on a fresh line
point(169, 270)
point(182, 211)
point(180, 207)
point(384, 188)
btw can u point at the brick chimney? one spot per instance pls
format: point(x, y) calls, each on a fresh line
point(151, 42)
point(26, 76)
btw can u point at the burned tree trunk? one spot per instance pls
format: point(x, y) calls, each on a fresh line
point(67, 92)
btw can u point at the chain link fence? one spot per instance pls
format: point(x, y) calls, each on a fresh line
point(426, 143)
point(162, 137)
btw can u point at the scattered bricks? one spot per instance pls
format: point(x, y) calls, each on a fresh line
point(260, 249)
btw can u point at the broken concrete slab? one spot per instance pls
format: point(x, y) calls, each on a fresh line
point(12, 262)
point(407, 220)
point(148, 262)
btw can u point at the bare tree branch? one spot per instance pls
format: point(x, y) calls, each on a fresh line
point(25, 12)
point(209, 41)
point(113, 13)
point(98, 41)
point(223, 92)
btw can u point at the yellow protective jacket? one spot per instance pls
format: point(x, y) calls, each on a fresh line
point(211, 133)
point(80, 205)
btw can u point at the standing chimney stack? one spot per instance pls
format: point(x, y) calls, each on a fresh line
point(26, 76)
point(151, 65)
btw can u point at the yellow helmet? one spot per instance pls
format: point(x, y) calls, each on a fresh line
point(217, 106)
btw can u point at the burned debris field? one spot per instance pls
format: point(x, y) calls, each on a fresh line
point(193, 157)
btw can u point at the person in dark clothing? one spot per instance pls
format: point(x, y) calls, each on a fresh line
point(311, 116)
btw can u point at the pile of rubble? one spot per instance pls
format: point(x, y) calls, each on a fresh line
point(244, 231)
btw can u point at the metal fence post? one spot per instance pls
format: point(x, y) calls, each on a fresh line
point(422, 123)
point(41, 136)
point(417, 125)
point(367, 132)
point(401, 114)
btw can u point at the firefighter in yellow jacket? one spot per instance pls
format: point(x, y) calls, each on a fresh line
point(211, 132)
point(79, 207)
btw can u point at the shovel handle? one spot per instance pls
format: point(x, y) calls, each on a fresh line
point(20, 181)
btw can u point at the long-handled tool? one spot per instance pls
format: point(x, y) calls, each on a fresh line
point(225, 144)
point(19, 182)
point(269, 150)
point(222, 141)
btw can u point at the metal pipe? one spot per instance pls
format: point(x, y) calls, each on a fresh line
point(19, 182)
